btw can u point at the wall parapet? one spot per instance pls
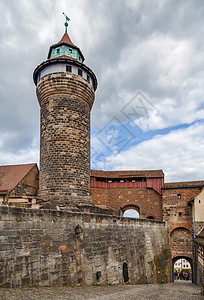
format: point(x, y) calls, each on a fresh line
point(60, 213)
point(42, 247)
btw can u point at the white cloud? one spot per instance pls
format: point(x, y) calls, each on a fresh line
point(179, 153)
point(25, 156)
point(167, 70)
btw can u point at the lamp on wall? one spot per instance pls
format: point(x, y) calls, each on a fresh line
point(78, 229)
point(98, 275)
point(120, 212)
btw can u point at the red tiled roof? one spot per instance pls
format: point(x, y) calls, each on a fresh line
point(11, 175)
point(65, 39)
point(122, 174)
point(184, 184)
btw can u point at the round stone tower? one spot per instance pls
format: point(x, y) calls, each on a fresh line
point(65, 90)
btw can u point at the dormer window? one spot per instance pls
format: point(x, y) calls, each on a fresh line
point(58, 50)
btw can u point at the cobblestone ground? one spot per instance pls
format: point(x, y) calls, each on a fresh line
point(178, 290)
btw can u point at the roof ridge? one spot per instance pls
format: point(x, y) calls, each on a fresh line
point(188, 181)
point(18, 165)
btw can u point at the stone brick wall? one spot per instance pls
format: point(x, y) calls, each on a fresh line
point(23, 190)
point(40, 247)
point(147, 200)
point(176, 212)
point(100, 196)
point(181, 242)
point(178, 216)
point(66, 100)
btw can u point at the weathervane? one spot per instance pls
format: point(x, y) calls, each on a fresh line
point(66, 23)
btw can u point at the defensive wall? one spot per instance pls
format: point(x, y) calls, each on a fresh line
point(140, 190)
point(146, 192)
point(47, 247)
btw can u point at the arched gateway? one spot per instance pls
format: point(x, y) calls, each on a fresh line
point(175, 259)
point(181, 247)
point(129, 208)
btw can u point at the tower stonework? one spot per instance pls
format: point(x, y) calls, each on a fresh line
point(65, 90)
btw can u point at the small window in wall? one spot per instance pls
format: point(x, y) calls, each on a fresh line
point(70, 50)
point(58, 50)
point(198, 201)
point(179, 196)
point(180, 214)
point(79, 72)
point(88, 78)
point(69, 69)
point(80, 58)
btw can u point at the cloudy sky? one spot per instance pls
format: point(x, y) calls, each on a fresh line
point(148, 56)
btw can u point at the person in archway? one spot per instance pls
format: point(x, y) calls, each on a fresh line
point(187, 277)
point(184, 275)
point(181, 275)
point(176, 275)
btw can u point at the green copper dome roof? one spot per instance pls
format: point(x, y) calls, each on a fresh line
point(65, 49)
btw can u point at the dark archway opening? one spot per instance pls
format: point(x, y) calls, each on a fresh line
point(125, 272)
point(150, 218)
